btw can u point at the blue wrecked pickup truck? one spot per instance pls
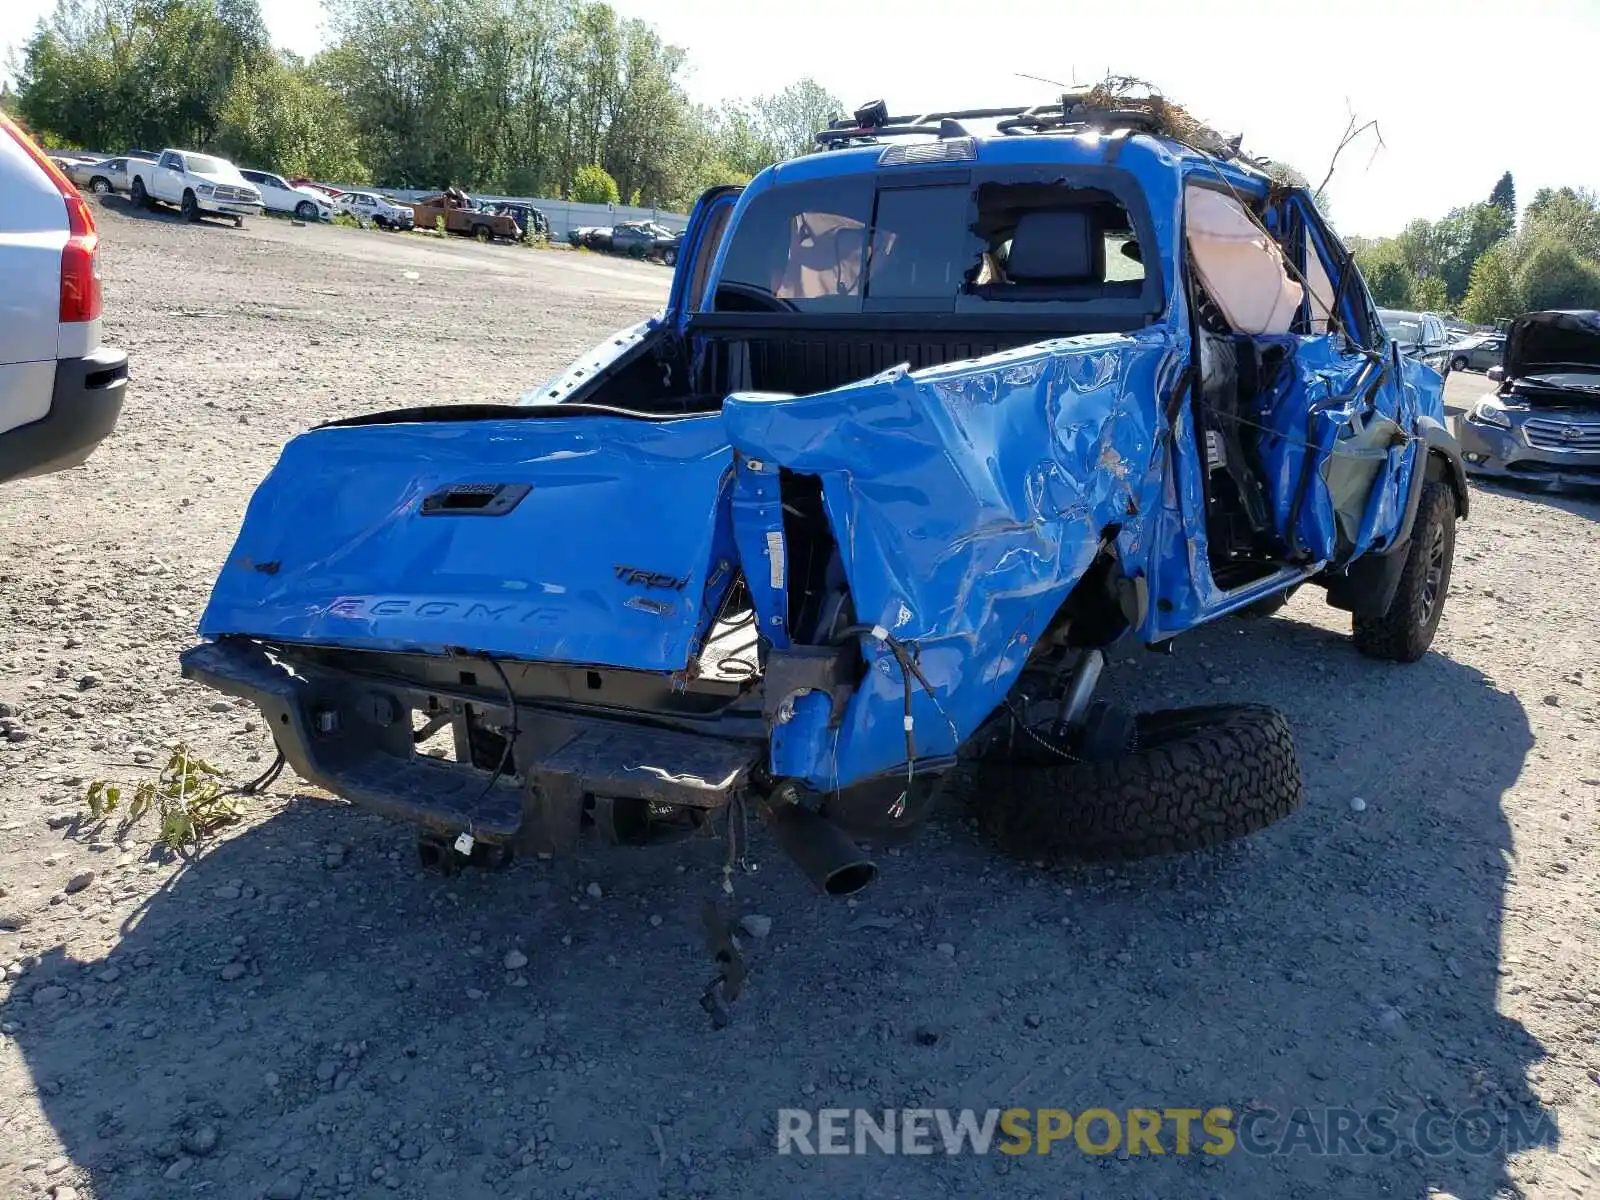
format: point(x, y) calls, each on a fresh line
point(931, 417)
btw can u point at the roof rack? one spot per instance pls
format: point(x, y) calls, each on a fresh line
point(1073, 112)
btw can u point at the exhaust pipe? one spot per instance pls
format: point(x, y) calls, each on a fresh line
point(822, 850)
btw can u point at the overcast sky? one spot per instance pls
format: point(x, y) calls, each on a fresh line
point(1463, 89)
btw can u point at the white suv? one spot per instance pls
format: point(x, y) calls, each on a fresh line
point(60, 389)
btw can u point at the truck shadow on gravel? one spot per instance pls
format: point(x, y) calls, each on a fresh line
point(302, 1014)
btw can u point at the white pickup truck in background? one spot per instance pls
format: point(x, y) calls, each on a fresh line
point(199, 184)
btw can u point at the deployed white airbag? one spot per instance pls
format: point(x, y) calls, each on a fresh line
point(1241, 268)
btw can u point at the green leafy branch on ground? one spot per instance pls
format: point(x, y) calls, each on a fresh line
point(187, 797)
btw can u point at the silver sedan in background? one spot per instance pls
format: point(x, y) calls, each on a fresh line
point(103, 177)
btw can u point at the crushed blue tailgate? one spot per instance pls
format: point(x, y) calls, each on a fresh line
point(604, 559)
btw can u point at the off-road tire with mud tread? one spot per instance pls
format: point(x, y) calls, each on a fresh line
point(1404, 631)
point(1196, 777)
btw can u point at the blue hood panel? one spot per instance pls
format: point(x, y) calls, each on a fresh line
point(605, 560)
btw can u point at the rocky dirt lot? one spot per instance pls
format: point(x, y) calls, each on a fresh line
point(301, 1013)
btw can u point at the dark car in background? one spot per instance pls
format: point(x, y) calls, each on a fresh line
point(1420, 335)
point(667, 248)
point(1541, 424)
point(1477, 352)
point(590, 237)
point(532, 221)
point(637, 239)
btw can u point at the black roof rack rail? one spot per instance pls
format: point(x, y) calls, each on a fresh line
point(872, 122)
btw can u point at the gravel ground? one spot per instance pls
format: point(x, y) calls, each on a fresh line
point(301, 1013)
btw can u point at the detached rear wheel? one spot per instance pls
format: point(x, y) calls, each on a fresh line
point(1195, 777)
point(1405, 630)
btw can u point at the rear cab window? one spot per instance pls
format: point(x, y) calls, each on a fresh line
point(944, 242)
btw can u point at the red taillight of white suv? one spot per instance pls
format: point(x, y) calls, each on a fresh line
point(80, 267)
point(80, 261)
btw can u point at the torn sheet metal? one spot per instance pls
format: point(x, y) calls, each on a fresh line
point(967, 501)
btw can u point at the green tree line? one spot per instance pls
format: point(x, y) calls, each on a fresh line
point(1479, 263)
point(526, 97)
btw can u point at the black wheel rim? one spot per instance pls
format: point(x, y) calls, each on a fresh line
point(1433, 576)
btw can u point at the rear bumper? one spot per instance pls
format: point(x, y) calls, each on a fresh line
point(84, 407)
point(353, 735)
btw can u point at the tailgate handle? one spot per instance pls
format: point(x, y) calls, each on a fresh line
point(474, 499)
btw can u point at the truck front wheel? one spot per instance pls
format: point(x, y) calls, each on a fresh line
point(190, 208)
point(141, 198)
point(1404, 631)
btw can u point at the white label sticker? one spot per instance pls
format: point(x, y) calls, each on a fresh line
point(464, 844)
point(775, 557)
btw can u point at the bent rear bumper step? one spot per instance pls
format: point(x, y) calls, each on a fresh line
point(352, 735)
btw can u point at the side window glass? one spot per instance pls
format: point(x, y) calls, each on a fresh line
point(716, 228)
point(1319, 284)
point(172, 162)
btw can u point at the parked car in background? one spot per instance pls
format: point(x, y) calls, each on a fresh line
point(1477, 352)
point(590, 237)
point(532, 221)
point(667, 248)
point(331, 193)
point(1420, 335)
point(199, 184)
point(464, 216)
point(380, 210)
point(102, 178)
point(1541, 424)
point(61, 391)
point(637, 239)
point(280, 196)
